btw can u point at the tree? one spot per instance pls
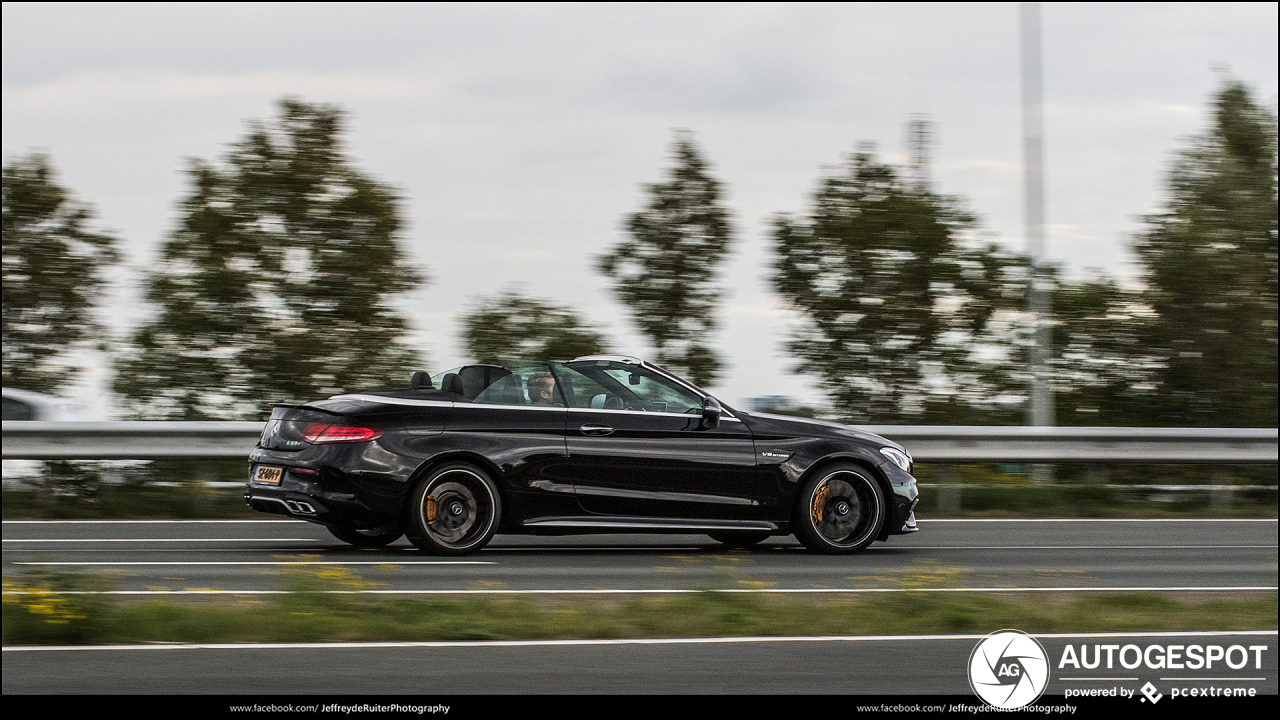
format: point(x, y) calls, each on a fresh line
point(665, 270)
point(897, 304)
point(1209, 265)
point(276, 284)
point(510, 327)
point(54, 275)
point(1102, 371)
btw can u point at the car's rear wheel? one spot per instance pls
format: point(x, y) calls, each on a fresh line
point(840, 510)
point(738, 538)
point(373, 537)
point(454, 510)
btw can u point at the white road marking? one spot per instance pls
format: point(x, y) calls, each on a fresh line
point(147, 540)
point(1096, 520)
point(927, 521)
point(673, 547)
point(1082, 546)
point(144, 522)
point(269, 562)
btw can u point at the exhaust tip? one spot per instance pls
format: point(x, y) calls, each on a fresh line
point(299, 507)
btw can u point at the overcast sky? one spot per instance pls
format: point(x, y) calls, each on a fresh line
point(520, 135)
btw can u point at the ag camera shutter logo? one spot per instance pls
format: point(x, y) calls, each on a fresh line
point(1008, 669)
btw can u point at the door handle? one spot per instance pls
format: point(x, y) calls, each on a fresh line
point(596, 430)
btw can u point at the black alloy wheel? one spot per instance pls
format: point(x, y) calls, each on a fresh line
point(840, 510)
point(373, 537)
point(738, 538)
point(454, 511)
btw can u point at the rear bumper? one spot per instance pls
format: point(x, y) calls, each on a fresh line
point(307, 498)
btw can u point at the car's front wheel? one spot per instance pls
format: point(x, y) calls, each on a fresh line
point(454, 510)
point(841, 509)
point(373, 537)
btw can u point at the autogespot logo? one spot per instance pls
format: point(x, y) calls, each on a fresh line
point(1008, 669)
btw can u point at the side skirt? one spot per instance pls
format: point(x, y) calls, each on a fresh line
point(627, 524)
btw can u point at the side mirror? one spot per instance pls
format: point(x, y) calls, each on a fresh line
point(711, 413)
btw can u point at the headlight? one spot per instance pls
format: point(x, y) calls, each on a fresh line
point(898, 457)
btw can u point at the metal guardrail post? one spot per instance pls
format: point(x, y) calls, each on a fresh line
point(949, 490)
point(1222, 494)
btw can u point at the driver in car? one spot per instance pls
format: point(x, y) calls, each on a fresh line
point(542, 388)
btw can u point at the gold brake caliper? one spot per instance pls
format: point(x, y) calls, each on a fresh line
point(431, 509)
point(819, 502)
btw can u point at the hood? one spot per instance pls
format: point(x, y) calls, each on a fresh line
point(766, 423)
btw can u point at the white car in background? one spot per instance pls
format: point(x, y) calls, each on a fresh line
point(27, 405)
point(24, 405)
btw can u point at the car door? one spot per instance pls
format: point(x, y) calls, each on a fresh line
point(638, 447)
point(524, 439)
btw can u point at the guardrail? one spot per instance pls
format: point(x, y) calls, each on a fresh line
point(142, 440)
point(1022, 444)
point(928, 444)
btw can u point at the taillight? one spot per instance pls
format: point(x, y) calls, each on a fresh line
point(323, 434)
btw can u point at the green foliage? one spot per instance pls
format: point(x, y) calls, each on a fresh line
point(34, 613)
point(1102, 370)
point(510, 326)
point(665, 271)
point(1209, 261)
point(85, 489)
point(53, 608)
point(276, 284)
point(896, 304)
point(53, 275)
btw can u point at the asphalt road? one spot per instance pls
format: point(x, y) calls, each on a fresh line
point(914, 667)
point(1021, 555)
point(1032, 557)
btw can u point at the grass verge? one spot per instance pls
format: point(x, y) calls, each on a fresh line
point(39, 610)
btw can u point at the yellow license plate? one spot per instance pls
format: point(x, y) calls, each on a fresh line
point(268, 475)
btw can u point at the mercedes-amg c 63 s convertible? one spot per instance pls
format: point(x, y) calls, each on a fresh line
point(593, 445)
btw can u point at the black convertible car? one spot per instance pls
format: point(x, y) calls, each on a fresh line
point(597, 444)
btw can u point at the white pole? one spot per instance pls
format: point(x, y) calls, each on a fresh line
point(1038, 302)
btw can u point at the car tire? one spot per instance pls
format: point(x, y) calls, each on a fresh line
point(454, 510)
point(738, 538)
point(840, 510)
point(375, 537)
